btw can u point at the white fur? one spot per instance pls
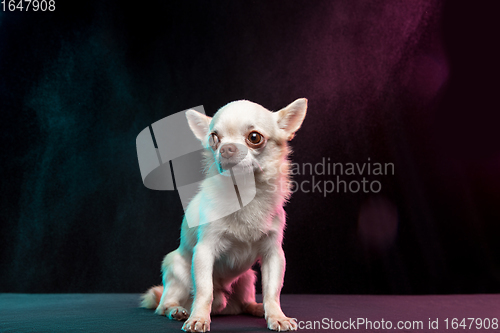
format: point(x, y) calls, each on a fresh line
point(211, 271)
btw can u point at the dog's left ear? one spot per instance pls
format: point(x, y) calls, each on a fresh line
point(291, 117)
point(199, 124)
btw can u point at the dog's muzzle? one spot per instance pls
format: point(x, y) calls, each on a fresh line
point(231, 154)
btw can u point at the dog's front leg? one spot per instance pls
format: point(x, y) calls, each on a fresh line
point(273, 271)
point(202, 271)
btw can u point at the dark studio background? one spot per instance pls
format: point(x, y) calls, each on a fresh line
point(414, 83)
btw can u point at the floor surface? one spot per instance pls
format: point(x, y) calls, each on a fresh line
point(120, 313)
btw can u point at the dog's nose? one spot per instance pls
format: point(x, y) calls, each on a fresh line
point(228, 150)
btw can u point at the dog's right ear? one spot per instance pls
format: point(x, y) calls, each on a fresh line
point(291, 117)
point(199, 124)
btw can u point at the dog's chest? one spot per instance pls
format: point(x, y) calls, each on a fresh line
point(251, 223)
point(236, 255)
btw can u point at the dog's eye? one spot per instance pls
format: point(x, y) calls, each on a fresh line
point(255, 138)
point(213, 141)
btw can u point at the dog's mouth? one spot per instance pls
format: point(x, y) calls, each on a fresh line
point(245, 166)
point(226, 166)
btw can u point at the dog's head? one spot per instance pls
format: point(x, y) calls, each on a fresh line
point(245, 136)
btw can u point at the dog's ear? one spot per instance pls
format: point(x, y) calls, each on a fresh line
point(199, 124)
point(291, 117)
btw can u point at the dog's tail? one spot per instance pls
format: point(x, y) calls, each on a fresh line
point(151, 298)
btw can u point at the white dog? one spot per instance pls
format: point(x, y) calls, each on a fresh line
point(211, 271)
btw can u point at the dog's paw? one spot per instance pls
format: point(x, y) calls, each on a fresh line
point(197, 324)
point(255, 309)
point(281, 324)
point(177, 313)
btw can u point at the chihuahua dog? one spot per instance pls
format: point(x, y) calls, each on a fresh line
point(211, 271)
